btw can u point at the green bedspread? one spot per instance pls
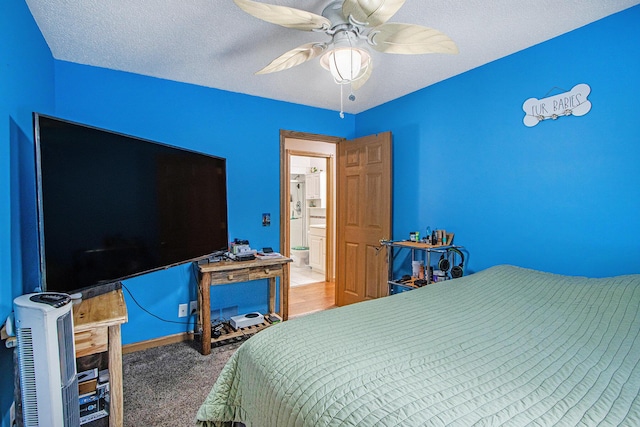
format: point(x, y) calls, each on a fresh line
point(505, 346)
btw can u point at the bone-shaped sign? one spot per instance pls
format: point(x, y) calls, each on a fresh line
point(569, 103)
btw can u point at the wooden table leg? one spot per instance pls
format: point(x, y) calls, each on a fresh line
point(204, 308)
point(284, 292)
point(272, 295)
point(116, 415)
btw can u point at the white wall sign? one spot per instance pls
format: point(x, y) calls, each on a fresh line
point(569, 103)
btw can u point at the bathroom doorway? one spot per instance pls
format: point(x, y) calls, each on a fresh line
point(308, 208)
point(307, 219)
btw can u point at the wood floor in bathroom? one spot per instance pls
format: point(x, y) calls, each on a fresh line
point(310, 298)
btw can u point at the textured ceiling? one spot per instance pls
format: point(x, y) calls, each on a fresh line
point(213, 43)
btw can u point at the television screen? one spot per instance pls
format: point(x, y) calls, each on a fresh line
point(111, 206)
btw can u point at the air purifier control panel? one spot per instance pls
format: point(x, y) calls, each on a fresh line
point(55, 300)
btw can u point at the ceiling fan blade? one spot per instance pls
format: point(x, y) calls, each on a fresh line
point(294, 57)
point(362, 80)
point(372, 12)
point(410, 39)
point(284, 16)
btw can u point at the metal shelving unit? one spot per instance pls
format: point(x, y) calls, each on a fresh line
point(395, 247)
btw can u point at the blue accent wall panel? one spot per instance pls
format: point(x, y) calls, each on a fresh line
point(26, 82)
point(563, 196)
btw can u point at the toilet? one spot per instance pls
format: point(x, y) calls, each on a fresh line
point(300, 256)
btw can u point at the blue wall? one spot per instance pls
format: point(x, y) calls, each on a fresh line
point(26, 83)
point(563, 196)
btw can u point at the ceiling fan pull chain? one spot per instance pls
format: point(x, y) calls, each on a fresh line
point(341, 103)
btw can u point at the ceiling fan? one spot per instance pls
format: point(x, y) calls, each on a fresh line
point(349, 23)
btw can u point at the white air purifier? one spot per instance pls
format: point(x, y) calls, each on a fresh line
point(46, 360)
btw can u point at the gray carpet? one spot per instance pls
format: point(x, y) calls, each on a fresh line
point(165, 386)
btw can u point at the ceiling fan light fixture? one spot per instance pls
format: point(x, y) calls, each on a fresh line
point(346, 64)
point(348, 23)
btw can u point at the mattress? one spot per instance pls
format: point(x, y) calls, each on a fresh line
point(505, 346)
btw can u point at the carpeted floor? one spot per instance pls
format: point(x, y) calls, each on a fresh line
point(165, 386)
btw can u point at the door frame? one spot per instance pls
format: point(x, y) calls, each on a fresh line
point(285, 191)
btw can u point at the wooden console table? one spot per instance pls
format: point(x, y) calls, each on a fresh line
point(96, 326)
point(228, 272)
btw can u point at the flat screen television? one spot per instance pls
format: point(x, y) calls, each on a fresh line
point(112, 206)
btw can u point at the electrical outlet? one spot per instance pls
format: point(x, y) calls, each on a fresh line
point(182, 310)
point(193, 307)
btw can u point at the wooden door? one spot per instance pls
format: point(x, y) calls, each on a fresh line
point(363, 214)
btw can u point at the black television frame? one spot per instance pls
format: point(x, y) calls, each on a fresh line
point(106, 285)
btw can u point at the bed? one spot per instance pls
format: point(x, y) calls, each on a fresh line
point(504, 346)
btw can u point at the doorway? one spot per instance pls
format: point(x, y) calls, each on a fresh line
point(307, 219)
point(308, 215)
point(358, 216)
